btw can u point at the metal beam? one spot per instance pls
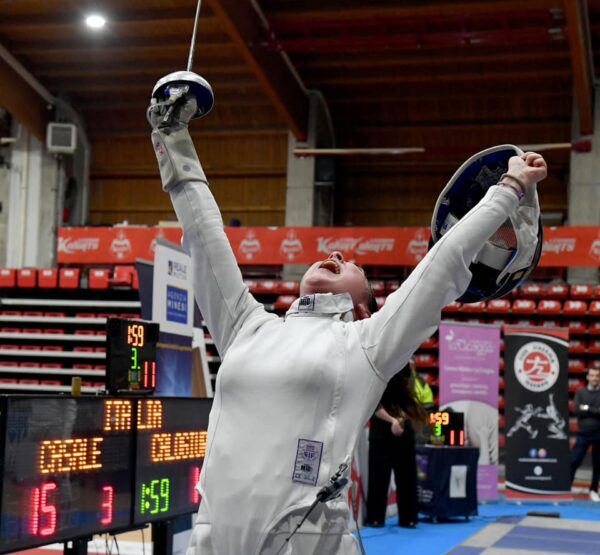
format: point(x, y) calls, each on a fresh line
point(22, 101)
point(578, 29)
point(250, 32)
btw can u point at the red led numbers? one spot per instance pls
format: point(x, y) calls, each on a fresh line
point(43, 512)
point(194, 494)
point(149, 377)
point(108, 496)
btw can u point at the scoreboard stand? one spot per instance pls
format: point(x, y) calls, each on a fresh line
point(76, 547)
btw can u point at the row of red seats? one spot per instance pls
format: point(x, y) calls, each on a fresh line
point(51, 331)
point(277, 287)
point(45, 382)
point(57, 348)
point(53, 365)
point(527, 306)
point(68, 278)
point(559, 291)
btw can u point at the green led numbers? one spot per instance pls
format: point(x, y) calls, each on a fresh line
point(155, 497)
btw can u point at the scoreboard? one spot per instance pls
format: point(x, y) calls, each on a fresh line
point(74, 466)
point(447, 428)
point(169, 457)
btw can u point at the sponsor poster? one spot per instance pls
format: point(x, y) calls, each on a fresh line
point(469, 383)
point(383, 246)
point(172, 307)
point(537, 413)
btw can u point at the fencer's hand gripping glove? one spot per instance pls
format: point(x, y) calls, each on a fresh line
point(173, 146)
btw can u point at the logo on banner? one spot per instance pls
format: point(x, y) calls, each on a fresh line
point(376, 245)
point(479, 347)
point(176, 269)
point(536, 366)
point(344, 244)
point(559, 245)
point(121, 245)
point(291, 246)
point(418, 245)
point(595, 249)
point(68, 245)
point(249, 245)
point(177, 305)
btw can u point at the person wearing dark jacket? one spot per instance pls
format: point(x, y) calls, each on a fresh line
point(587, 409)
point(392, 447)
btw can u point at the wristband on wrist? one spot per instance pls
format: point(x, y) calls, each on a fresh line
point(515, 179)
point(520, 194)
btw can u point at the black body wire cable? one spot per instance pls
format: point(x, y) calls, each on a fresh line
point(328, 492)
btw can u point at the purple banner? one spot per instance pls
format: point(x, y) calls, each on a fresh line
point(469, 383)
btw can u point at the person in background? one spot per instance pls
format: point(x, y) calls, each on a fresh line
point(392, 447)
point(587, 408)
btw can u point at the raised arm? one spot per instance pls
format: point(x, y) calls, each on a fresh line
point(412, 313)
point(219, 290)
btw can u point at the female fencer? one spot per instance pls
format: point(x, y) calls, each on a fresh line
point(293, 393)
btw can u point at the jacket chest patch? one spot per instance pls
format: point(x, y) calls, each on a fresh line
point(308, 462)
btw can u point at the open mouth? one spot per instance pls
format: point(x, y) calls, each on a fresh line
point(330, 265)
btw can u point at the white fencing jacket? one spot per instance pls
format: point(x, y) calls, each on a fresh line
point(292, 394)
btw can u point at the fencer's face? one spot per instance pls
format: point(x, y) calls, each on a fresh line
point(593, 377)
point(335, 275)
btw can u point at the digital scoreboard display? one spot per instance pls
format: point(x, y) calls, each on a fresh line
point(131, 355)
point(171, 445)
point(66, 471)
point(447, 428)
point(71, 467)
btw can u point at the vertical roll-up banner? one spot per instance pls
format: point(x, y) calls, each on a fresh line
point(173, 309)
point(469, 380)
point(537, 413)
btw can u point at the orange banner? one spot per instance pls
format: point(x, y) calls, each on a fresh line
point(373, 246)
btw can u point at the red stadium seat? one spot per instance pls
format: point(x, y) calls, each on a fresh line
point(549, 306)
point(29, 364)
point(473, 308)
point(594, 347)
point(53, 348)
point(557, 291)
point(8, 277)
point(380, 301)
point(426, 360)
point(8, 380)
point(575, 384)
point(50, 382)
point(265, 287)
point(288, 288)
point(523, 306)
point(29, 382)
point(498, 306)
point(575, 308)
point(523, 323)
point(594, 364)
point(551, 324)
point(27, 278)
point(596, 291)
point(594, 308)
point(68, 278)
point(577, 346)
point(391, 286)
point(122, 276)
point(532, 291)
point(378, 287)
point(576, 365)
point(594, 328)
point(250, 284)
point(55, 331)
point(577, 326)
point(454, 306)
point(581, 291)
point(430, 343)
point(283, 302)
point(48, 278)
point(501, 364)
point(98, 278)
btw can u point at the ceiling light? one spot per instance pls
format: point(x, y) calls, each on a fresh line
point(95, 21)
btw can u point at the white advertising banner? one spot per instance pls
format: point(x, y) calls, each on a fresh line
point(172, 295)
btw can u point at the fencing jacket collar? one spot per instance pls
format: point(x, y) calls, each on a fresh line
point(323, 304)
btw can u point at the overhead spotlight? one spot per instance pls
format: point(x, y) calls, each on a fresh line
point(95, 21)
